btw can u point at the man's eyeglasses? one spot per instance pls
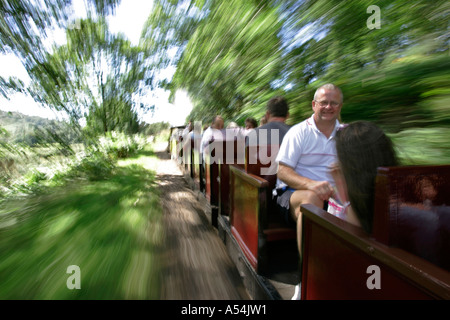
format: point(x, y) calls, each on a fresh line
point(325, 103)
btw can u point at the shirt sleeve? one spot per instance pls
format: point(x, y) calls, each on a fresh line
point(205, 140)
point(290, 149)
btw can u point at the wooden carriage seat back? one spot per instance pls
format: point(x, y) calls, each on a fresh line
point(412, 211)
point(253, 221)
point(233, 153)
point(260, 161)
point(341, 261)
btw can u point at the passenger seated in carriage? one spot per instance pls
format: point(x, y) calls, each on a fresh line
point(361, 148)
point(276, 115)
point(421, 225)
point(213, 132)
point(250, 124)
point(306, 152)
point(264, 142)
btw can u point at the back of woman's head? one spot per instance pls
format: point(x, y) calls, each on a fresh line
point(361, 148)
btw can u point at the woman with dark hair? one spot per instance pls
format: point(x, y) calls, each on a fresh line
point(361, 148)
point(422, 227)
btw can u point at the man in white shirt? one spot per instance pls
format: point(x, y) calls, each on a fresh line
point(308, 149)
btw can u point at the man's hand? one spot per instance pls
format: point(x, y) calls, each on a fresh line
point(323, 189)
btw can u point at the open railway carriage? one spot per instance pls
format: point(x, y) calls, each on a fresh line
point(186, 150)
point(175, 141)
point(262, 244)
point(412, 211)
point(218, 157)
point(233, 154)
point(188, 155)
point(341, 261)
point(195, 167)
point(212, 153)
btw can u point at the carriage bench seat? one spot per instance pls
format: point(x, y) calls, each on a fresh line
point(253, 218)
point(341, 261)
point(412, 211)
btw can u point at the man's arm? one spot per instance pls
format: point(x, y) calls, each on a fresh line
point(323, 189)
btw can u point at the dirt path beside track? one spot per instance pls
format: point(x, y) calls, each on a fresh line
point(196, 265)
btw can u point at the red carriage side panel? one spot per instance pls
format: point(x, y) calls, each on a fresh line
point(252, 218)
point(246, 210)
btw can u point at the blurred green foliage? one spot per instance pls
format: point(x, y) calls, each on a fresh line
point(30, 130)
point(154, 129)
point(96, 76)
point(233, 56)
point(35, 169)
point(87, 209)
point(418, 146)
point(413, 92)
point(242, 53)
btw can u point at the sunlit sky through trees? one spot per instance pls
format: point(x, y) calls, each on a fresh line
point(129, 19)
point(390, 59)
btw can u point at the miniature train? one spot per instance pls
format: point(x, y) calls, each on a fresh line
point(339, 260)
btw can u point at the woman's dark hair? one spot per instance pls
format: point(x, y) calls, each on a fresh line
point(361, 148)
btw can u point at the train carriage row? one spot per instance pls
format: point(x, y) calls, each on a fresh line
point(340, 261)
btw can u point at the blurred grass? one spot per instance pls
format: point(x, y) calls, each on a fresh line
point(110, 228)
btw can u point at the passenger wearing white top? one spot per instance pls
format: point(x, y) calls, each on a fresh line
point(307, 151)
point(214, 132)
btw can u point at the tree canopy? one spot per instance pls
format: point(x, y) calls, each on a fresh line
point(96, 76)
point(233, 56)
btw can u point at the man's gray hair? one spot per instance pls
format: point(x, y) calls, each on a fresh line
point(329, 86)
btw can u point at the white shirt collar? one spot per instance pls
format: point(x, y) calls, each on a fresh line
point(310, 121)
